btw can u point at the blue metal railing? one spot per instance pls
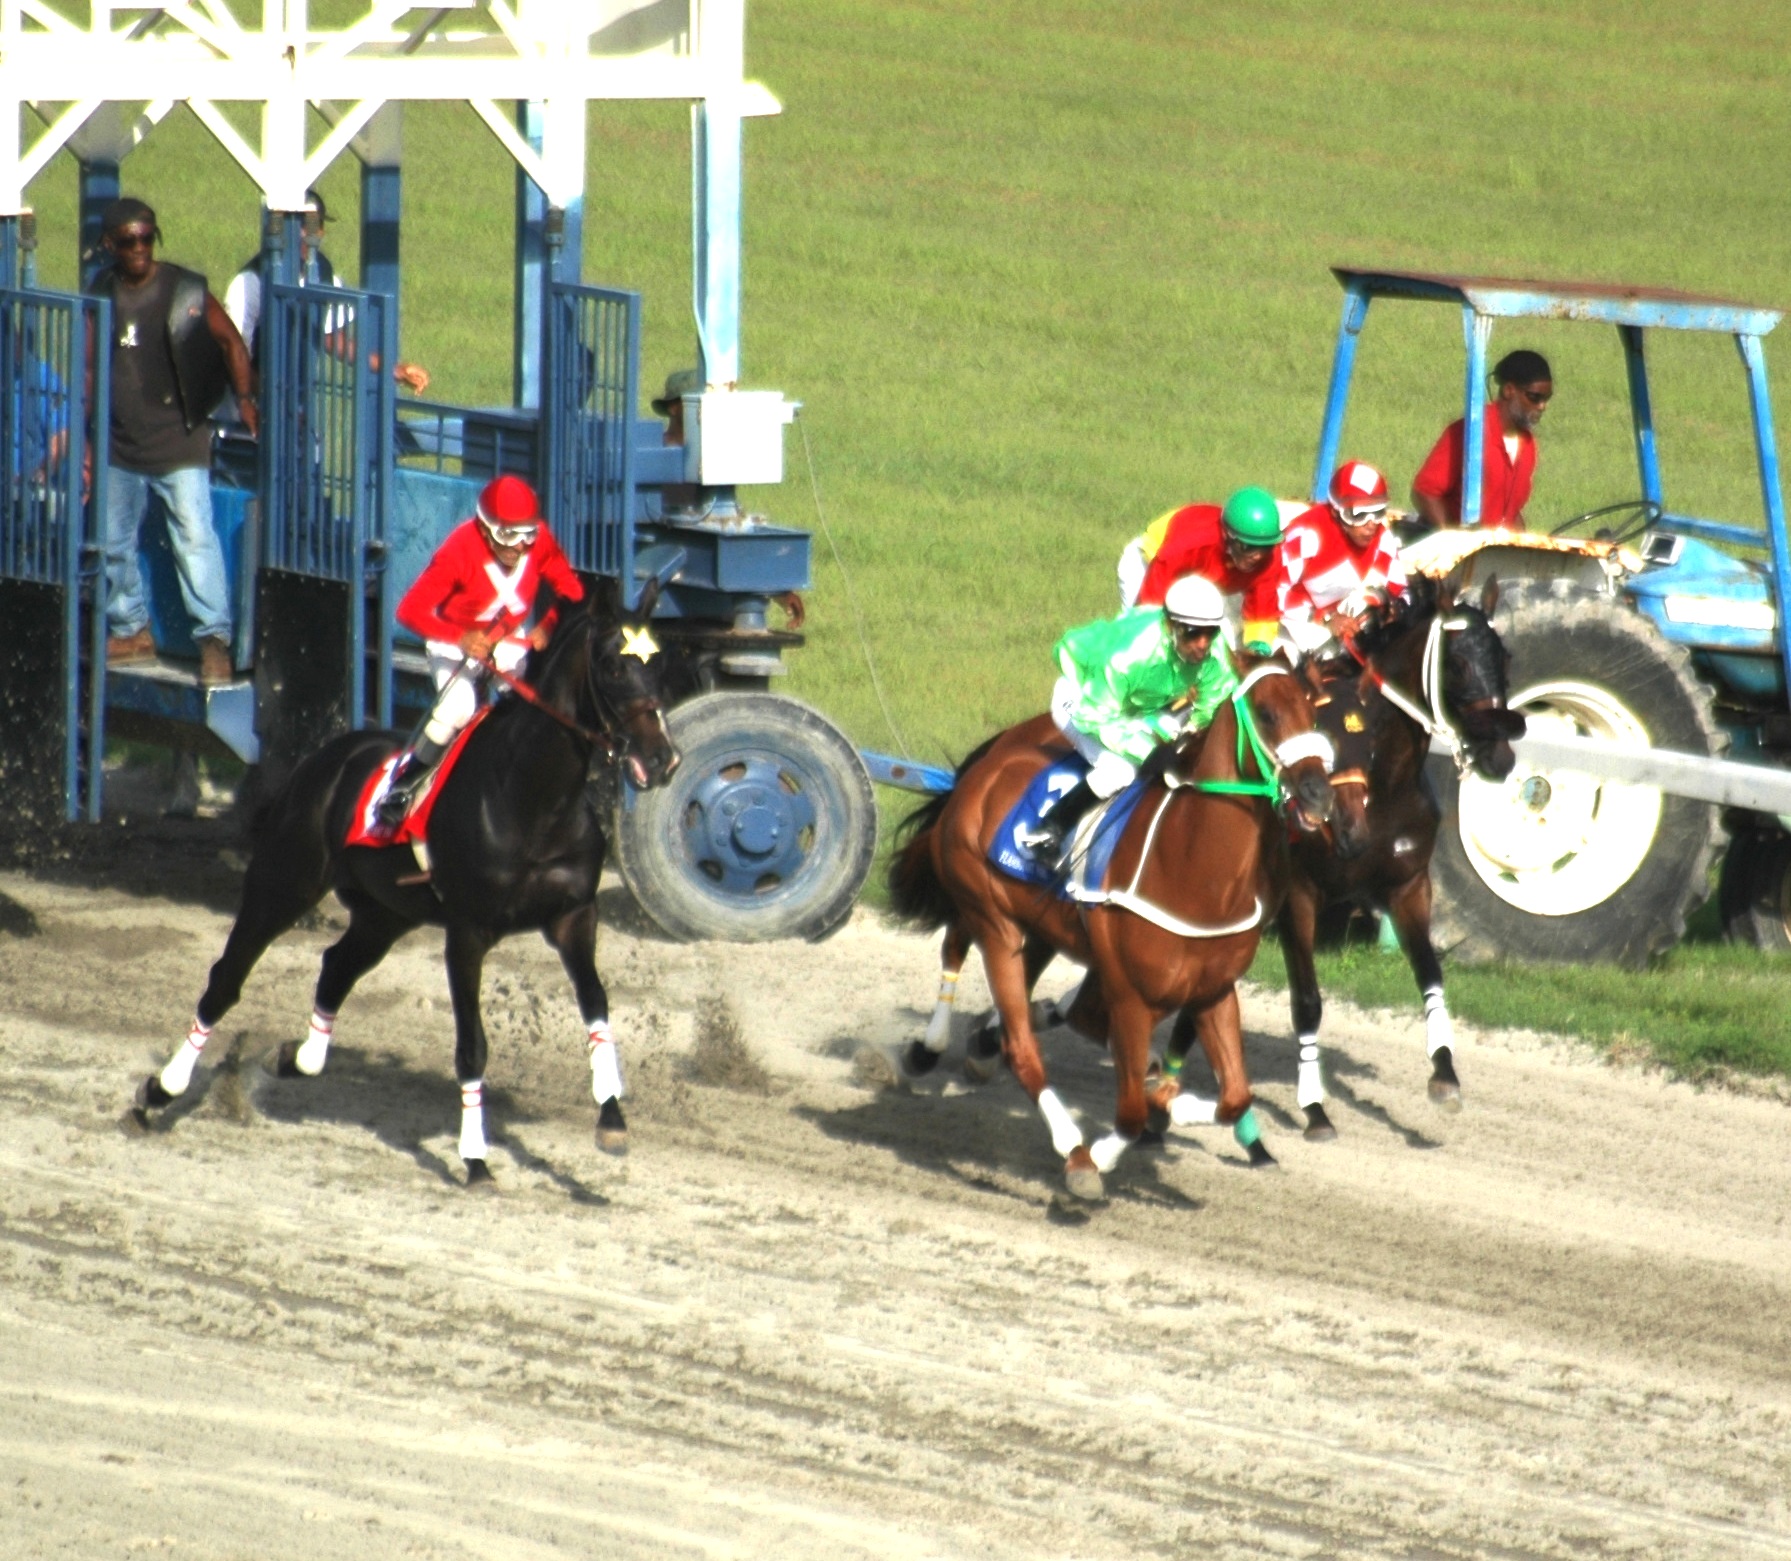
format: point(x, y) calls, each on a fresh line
point(590, 389)
point(52, 504)
point(327, 456)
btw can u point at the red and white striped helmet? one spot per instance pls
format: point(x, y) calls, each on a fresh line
point(1358, 493)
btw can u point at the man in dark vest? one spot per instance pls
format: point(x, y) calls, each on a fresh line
point(174, 352)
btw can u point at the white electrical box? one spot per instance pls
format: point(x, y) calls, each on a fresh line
point(734, 437)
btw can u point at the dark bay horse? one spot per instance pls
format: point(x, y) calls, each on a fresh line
point(1202, 856)
point(1430, 669)
point(514, 845)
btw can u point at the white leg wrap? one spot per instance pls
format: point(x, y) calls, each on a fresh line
point(1065, 1135)
point(1438, 1031)
point(938, 1035)
point(314, 1050)
point(1310, 1089)
point(178, 1074)
point(1193, 1111)
point(606, 1064)
point(1106, 1151)
point(472, 1120)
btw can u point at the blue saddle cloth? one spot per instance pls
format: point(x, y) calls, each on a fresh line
point(1081, 877)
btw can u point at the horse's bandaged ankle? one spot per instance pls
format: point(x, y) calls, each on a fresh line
point(1310, 1088)
point(938, 1035)
point(178, 1074)
point(606, 1064)
point(1065, 1135)
point(1439, 1031)
point(1193, 1111)
point(314, 1050)
point(472, 1120)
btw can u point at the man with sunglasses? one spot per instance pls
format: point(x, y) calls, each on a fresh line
point(1340, 559)
point(174, 351)
point(477, 602)
point(1236, 548)
point(1524, 387)
point(1129, 684)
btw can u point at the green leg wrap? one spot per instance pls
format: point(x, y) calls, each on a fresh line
point(1172, 1067)
point(1246, 1130)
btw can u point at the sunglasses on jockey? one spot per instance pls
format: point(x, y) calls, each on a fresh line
point(1365, 515)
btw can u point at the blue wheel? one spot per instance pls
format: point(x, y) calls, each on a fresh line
point(767, 830)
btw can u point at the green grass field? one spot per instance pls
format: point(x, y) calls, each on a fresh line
point(1041, 271)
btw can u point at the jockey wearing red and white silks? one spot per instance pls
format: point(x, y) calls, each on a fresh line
point(476, 601)
point(1340, 558)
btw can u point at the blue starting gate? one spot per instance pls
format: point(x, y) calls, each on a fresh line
point(591, 388)
point(323, 623)
point(51, 514)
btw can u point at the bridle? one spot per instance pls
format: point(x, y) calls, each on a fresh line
point(603, 742)
point(1269, 765)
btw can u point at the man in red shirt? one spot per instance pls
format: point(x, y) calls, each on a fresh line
point(1525, 387)
point(1236, 548)
point(1340, 558)
point(476, 602)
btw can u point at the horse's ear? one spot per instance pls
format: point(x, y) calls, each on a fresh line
point(1489, 596)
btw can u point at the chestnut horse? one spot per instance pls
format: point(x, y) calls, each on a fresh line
point(1202, 856)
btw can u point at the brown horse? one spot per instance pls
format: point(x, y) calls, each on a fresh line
point(1430, 671)
point(1202, 857)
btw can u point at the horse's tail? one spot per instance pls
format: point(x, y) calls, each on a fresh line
point(915, 892)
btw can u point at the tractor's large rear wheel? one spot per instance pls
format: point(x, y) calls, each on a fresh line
point(1564, 866)
point(766, 831)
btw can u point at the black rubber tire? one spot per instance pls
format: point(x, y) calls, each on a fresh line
point(664, 837)
point(1556, 631)
point(1756, 889)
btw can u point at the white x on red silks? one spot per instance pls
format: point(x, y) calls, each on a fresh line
point(508, 602)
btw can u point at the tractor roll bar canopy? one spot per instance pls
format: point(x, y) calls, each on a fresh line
point(1483, 299)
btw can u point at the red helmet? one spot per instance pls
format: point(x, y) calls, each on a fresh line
point(509, 511)
point(1358, 493)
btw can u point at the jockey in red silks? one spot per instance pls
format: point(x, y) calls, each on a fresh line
point(476, 602)
point(1340, 559)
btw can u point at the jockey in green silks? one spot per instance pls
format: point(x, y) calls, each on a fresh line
point(1129, 684)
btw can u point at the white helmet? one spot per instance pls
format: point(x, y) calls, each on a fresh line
point(1195, 601)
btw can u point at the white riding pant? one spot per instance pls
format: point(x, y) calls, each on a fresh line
point(1108, 772)
point(457, 699)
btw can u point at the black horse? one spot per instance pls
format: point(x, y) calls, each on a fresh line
point(514, 845)
point(1429, 665)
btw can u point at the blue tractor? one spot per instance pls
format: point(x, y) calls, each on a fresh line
point(1646, 650)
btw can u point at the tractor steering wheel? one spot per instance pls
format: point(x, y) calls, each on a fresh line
point(1647, 514)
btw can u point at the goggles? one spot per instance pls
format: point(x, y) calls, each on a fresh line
point(1183, 627)
point(513, 536)
point(1365, 516)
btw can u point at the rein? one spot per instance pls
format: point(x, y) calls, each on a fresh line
point(1435, 720)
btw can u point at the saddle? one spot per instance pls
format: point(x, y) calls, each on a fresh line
point(1077, 873)
point(366, 829)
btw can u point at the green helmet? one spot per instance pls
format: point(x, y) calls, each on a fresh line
point(1250, 516)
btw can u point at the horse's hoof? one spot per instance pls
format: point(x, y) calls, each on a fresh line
point(151, 1096)
point(1445, 1087)
point(479, 1177)
point(612, 1129)
point(919, 1059)
point(1260, 1157)
point(134, 1123)
point(1151, 1139)
point(982, 1056)
point(1081, 1177)
point(1318, 1126)
point(286, 1061)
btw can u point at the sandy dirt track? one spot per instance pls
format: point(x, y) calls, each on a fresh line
point(817, 1314)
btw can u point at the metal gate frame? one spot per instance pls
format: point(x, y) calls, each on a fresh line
point(328, 410)
point(590, 391)
point(51, 519)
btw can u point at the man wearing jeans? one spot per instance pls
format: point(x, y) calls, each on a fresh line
point(174, 351)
